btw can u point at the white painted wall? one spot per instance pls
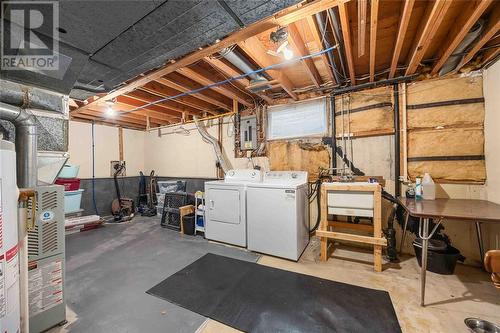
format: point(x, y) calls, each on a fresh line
point(492, 144)
point(106, 149)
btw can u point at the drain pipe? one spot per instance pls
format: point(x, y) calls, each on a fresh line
point(26, 143)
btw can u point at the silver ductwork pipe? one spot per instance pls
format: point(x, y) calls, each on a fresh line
point(26, 143)
point(322, 28)
point(471, 36)
point(339, 39)
point(234, 58)
point(221, 158)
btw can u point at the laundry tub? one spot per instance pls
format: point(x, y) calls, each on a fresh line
point(72, 201)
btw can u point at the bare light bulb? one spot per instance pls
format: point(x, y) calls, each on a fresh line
point(287, 53)
point(110, 113)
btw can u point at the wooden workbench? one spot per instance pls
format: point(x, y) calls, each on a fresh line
point(326, 233)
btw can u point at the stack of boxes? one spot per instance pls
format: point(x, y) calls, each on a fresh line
point(72, 192)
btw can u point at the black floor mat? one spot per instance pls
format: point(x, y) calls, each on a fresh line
point(256, 298)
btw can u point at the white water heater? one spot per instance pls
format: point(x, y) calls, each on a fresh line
point(9, 258)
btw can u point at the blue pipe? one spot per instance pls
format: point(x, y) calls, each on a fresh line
point(216, 84)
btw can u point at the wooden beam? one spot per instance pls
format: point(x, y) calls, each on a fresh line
point(162, 91)
point(120, 144)
point(227, 70)
point(133, 119)
point(299, 47)
point(282, 18)
point(459, 29)
point(491, 29)
point(373, 36)
point(108, 122)
point(313, 27)
point(403, 27)
point(201, 76)
point(362, 9)
point(435, 14)
point(254, 49)
point(490, 55)
point(158, 118)
point(152, 111)
point(346, 34)
point(182, 84)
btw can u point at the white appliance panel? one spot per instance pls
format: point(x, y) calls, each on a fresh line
point(224, 204)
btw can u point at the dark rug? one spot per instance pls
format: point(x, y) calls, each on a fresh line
point(256, 298)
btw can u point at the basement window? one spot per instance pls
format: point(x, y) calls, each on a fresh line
point(297, 120)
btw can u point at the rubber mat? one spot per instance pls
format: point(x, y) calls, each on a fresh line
point(256, 298)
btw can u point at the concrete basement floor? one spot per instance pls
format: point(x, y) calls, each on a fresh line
point(109, 269)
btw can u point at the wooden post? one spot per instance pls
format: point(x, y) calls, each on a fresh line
point(324, 223)
point(120, 143)
point(377, 228)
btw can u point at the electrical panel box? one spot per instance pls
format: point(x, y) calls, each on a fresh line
point(248, 133)
point(46, 253)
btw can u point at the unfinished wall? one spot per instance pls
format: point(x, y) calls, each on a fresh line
point(445, 129)
point(106, 149)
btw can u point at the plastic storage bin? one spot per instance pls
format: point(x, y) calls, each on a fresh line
point(70, 184)
point(72, 201)
point(441, 258)
point(69, 171)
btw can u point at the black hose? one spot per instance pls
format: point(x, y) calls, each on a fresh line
point(318, 202)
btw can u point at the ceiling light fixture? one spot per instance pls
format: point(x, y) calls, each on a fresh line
point(110, 113)
point(287, 53)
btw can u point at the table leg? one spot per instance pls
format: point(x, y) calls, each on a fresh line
point(403, 236)
point(423, 269)
point(480, 242)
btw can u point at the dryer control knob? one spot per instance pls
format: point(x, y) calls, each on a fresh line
point(294, 175)
point(231, 173)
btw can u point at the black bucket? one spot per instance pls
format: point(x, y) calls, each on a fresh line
point(188, 224)
point(440, 259)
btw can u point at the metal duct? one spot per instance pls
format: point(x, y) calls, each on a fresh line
point(223, 162)
point(18, 95)
point(338, 38)
point(26, 143)
point(322, 28)
point(471, 36)
point(242, 64)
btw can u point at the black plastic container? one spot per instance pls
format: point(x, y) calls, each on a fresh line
point(440, 259)
point(188, 224)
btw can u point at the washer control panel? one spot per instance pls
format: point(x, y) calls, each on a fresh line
point(285, 176)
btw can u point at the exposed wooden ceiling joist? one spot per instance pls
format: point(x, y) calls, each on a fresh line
point(162, 91)
point(313, 27)
point(435, 14)
point(88, 118)
point(459, 29)
point(346, 34)
point(254, 49)
point(171, 105)
point(229, 71)
point(373, 36)
point(151, 111)
point(491, 29)
point(282, 18)
point(403, 26)
point(186, 87)
point(300, 49)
